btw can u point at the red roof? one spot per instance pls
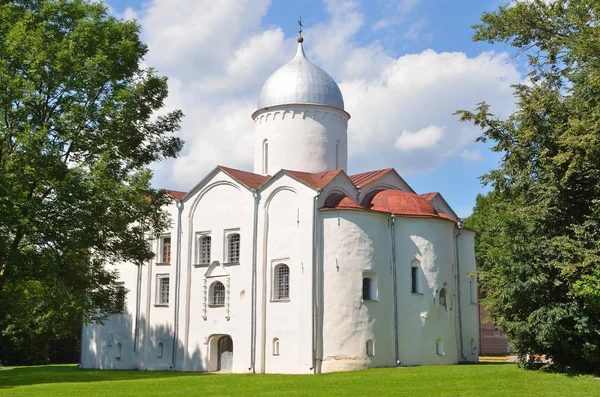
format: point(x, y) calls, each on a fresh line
point(368, 177)
point(399, 202)
point(248, 179)
point(175, 194)
point(339, 200)
point(317, 180)
point(429, 196)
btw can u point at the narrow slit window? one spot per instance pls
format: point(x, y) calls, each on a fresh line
point(414, 279)
point(473, 289)
point(366, 289)
point(439, 347)
point(276, 346)
point(160, 350)
point(443, 298)
point(118, 353)
point(370, 348)
point(265, 157)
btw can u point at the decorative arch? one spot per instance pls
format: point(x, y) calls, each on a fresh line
point(206, 190)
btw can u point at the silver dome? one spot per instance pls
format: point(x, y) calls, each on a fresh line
point(300, 81)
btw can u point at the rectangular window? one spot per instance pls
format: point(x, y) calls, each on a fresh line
point(162, 289)
point(165, 256)
point(233, 248)
point(204, 250)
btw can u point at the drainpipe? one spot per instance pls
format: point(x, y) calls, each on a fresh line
point(460, 327)
point(138, 293)
point(253, 292)
point(137, 306)
point(177, 283)
point(315, 284)
point(394, 282)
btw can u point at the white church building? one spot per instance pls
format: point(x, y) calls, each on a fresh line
point(297, 267)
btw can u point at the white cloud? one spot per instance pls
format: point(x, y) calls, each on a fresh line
point(470, 156)
point(426, 138)
point(217, 55)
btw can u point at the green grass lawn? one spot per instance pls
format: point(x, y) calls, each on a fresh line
point(459, 380)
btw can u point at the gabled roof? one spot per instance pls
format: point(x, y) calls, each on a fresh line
point(368, 177)
point(317, 180)
point(429, 196)
point(365, 178)
point(432, 195)
point(175, 194)
point(248, 179)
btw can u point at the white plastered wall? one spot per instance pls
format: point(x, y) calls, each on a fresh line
point(217, 208)
point(300, 138)
point(470, 312)
point(285, 236)
point(355, 243)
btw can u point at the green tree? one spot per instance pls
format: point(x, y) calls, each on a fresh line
point(78, 128)
point(538, 248)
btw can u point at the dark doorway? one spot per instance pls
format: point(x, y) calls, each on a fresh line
point(225, 354)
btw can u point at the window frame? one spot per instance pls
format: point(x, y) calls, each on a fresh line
point(158, 301)
point(228, 234)
point(277, 283)
point(275, 347)
point(443, 293)
point(415, 278)
point(121, 294)
point(212, 297)
point(200, 237)
point(161, 250)
point(373, 289)
point(370, 345)
point(439, 347)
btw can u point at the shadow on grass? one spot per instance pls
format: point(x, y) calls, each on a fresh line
point(35, 375)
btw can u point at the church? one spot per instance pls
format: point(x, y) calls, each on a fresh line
point(297, 267)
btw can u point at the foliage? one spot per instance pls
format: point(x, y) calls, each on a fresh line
point(538, 248)
point(458, 380)
point(78, 128)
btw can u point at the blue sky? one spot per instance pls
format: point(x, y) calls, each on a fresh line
point(217, 54)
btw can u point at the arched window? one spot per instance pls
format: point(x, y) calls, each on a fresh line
point(233, 248)
point(265, 157)
point(370, 348)
point(276, 346)
point(473, 347)
point(281, 282)
point(443, 298)
point(160, 350)
point(204, 248)
point(367, 289)
point(439, 347)
point(415, 282)
point(217, 294)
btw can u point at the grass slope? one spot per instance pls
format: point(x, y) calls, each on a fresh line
point(458, 380)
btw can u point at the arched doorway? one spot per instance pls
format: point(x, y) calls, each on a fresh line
point(224, 354)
